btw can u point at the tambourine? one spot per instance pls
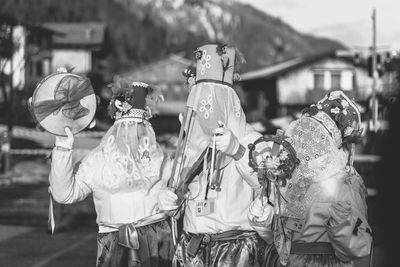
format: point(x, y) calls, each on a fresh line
point(63, 99)
point(273, 158)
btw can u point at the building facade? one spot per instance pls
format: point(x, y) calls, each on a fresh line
point(80, 46)
point(291, 85)
point(25, 55)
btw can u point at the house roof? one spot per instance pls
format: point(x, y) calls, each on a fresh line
point(13, 21)
point(83, 34)
point(166, 70)
point(37, 28)
point(285, 66)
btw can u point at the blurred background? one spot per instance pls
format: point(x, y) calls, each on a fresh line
point(296, 52)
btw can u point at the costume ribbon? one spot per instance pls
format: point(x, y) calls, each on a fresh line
point(51, 221)
point(129, 237)
point(70, 90)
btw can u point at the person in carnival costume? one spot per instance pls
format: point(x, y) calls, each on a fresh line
point(216, 231)
point(125, 174)
point(322, 216)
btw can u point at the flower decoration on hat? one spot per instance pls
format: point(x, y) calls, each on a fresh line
point(133, 100)
point(221, 49)
point(190, 75)
point(218, 63)
point(198, 53)
point(236, 77)
point(343, 112)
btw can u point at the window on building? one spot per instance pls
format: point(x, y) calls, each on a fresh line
point(335, 81)
point(318, 81)
point(347, 80)
point(39, 68)
point(30, 68)
point(46, 67)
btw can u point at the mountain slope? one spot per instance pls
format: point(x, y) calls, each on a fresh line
point(145, 30)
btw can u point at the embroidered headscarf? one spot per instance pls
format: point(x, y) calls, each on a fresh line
point(318, 138)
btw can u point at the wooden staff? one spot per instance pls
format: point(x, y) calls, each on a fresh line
point(175, 176)
point(182, 141)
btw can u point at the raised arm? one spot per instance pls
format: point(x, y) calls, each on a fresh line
point(229, 144)
point(242, 164)
point(66, 185)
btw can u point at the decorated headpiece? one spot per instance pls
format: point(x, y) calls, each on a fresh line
point(133, 100)
point(218, 63)
point(190, 75)
point(340, 116)
point(63, 99)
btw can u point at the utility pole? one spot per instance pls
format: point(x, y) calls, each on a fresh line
point(374, 104)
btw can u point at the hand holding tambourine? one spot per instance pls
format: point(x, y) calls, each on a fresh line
point(61, 100)
point(274, 159)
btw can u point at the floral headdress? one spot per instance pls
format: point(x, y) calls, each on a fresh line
point(343, 112)
point(133, 100)
point(341, 117)
point(218, 63)
point(190, 75)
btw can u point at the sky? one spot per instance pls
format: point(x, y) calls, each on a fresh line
point(348, 21)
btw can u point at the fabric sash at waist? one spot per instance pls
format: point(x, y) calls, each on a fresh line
point(224, 236)
point(128, 235)
point(205, 240)
point(312, 248)
point(151, 219)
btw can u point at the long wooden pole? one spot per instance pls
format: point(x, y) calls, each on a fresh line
point(182, 138)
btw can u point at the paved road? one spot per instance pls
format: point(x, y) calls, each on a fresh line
point(37, 248)
point(25, 240)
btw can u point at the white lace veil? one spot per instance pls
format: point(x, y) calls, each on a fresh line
point(131, 155)
point(213, 102)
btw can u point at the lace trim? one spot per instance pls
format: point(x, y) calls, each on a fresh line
point(204, 62)
point(330, 125)
point(317, 153)
point(237, 107)
point(115, 171)
point(206, 106)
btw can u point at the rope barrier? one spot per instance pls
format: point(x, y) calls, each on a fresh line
point(39, 151)
point(30, 151)
point(30, 132)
